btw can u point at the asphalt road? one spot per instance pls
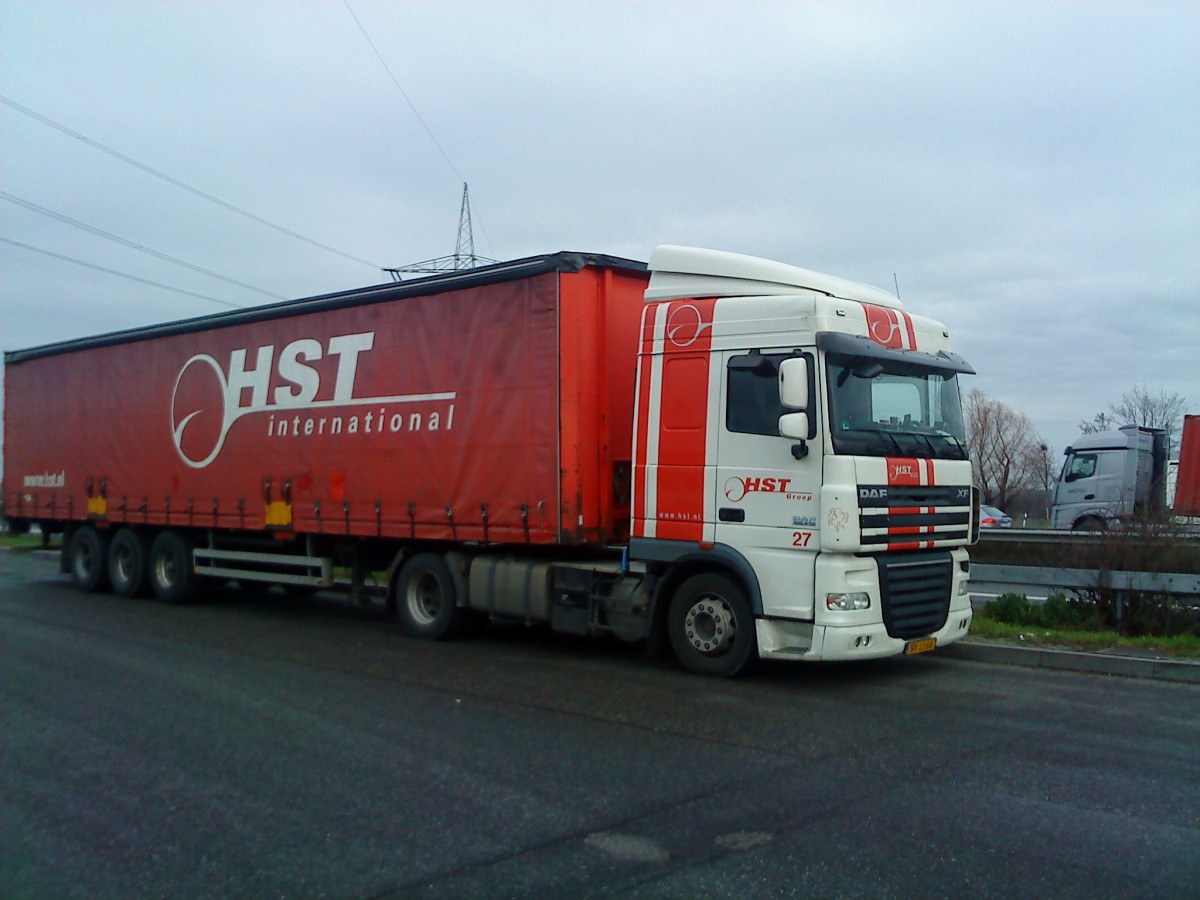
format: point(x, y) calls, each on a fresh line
point(257, 746)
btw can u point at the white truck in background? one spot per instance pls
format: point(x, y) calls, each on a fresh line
point(1112, 477)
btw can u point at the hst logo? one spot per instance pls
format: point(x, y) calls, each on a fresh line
point(201, 417)
point(903, 470)
point(736, 488)
point(685, 325)
point(890, 327)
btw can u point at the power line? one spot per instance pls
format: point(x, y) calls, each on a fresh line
point(120, 240)
point(46, 120)
point(411, 106)
point(80, 262)
point(428, 131)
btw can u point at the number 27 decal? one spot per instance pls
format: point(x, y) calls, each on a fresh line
point(801, 538)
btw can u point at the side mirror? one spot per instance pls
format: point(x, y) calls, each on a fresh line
point(793, 385)
point(794, 426)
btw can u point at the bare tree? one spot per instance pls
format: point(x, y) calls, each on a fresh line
point(1141, 406)
point(1102, 421)
point(1007, 453)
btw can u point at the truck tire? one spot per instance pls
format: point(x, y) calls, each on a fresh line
point(172, 577)
point(87, 559)
point(711, 626)
point(1090, 523)
point(426, 599)
point(129, 563)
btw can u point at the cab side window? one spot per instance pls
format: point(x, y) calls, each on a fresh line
point(1082, 465)
point(752, 395)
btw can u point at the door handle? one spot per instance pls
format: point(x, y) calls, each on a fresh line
point(1089, 496)
point(730, 514)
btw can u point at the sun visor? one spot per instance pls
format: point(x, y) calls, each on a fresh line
point(865, 348)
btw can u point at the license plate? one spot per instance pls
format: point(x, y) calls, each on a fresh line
point(920, 646)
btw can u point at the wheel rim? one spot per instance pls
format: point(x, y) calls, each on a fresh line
point(424, 598)
point(123, 567)
point(164, 570)
point(710, 626)
point(85, 561)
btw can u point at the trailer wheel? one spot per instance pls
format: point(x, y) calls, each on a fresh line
point(426, 599)
point(711, 627)
point(87, 559)
point(171, 574)
point(129, 563)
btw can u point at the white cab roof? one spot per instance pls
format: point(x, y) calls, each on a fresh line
point(682, 272)
point(1119, 439)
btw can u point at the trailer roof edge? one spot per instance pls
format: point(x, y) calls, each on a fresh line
point(511, 270)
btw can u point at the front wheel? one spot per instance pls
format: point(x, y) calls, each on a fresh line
point(711, 627)
point(426, 598)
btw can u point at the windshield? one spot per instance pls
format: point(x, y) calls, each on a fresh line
point(881, 408)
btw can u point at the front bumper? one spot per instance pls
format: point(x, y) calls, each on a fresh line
point(782, 639)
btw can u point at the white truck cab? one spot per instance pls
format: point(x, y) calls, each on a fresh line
point(804, 432)
point(1110, 477)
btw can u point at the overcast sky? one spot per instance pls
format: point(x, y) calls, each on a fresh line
point(1029, 173)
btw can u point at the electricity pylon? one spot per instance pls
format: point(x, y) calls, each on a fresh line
point(464, 250)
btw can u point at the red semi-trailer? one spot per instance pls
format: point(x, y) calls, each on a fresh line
point(1186, 502)
point(746, 457)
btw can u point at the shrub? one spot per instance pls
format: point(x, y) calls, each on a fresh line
point(1143, 613)
point(1066, 614)
point(1011, 609)
point(1132, 614)
point(1137, 547)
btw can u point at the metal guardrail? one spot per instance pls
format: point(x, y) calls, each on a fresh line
point(1025, 535)
point(1061, 536)
point(1036, 582)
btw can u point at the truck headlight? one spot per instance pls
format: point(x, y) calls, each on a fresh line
point(857, 600)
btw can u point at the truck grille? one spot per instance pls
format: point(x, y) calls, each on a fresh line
point(915, 592)
point(914, 517)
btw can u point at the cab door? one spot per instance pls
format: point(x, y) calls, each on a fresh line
point(767, 486)
point(1090, 485)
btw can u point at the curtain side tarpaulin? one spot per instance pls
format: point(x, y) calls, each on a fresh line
point(432, 416)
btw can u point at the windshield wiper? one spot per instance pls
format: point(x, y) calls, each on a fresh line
point(887, 434)
point(962, 451)
point(928, 443)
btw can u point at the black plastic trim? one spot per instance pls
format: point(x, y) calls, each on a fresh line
point(899, 521)
point(859, 345)
point(882, 496)
point(799, 621)
point(914, 592)
point(678, 552)
point(939, 538)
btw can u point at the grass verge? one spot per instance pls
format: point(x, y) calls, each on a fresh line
point(28, 541)
point(1185, 646)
